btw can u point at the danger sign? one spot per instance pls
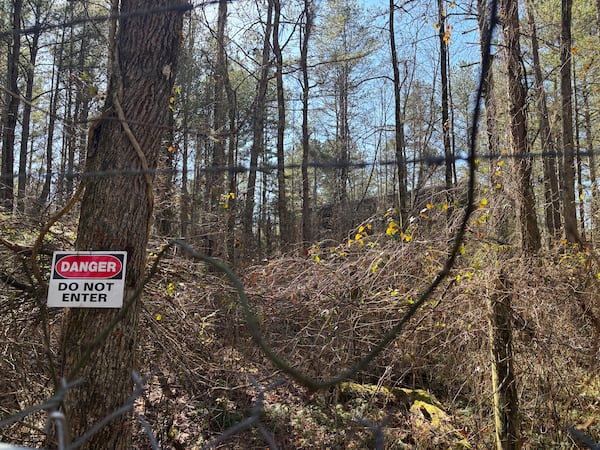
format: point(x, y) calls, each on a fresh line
point(87, 279)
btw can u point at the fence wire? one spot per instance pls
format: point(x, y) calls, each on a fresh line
point(431, 161)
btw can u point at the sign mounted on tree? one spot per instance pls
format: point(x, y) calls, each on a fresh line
point(87, 279)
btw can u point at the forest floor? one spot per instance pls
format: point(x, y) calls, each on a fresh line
point(207, 380)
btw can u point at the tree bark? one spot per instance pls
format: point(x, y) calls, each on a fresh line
point(258, 127)
point(589, 139)
point(551, 192)
point(568, 176)
point(530, 235)
point(9, 116)
point(54, 96)
point(506, 404)
point(116, 212)
point(306, 203)
point(26, 125)
point(449, 162)
point(285, 231)
point(399, 143)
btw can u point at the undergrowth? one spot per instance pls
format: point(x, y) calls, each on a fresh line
point(322, 313)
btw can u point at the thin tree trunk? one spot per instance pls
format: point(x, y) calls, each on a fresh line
point(306, 201)
point(589, 139)
point(232, 174)
point(506, 404)
point(578, 162)
point(257, 133)
point(26, 125)
point(10, 113)
point(530, 235)
point(147, 44)
point(398, 122)
point(285, 231)
point(443, 37)
point(551, 192)
point(54, 96)
point(568, 177)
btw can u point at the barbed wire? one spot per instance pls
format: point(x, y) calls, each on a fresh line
point(268, 168)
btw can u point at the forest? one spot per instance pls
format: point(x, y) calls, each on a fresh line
point(322, 224)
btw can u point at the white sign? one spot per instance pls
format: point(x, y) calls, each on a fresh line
point(87, 279)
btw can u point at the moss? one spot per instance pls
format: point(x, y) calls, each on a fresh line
point(433, 421)
point(430, 420)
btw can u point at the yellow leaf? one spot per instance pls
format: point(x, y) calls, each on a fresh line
point(171, 148)
point(159, 317)
point(429, 206)
point(581, 196)
point(392, 229)
point(445, 207)
point(574, 49)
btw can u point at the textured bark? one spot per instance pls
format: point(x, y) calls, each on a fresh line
point(506, 405)
point(26, 121)
point(116, 212)
point(551, 192)
point(258, 126)
point(9, 115)
point(530, 235)
point(306, 205)
point(399, 123)
point(568, 175)
point(285, 230)
point(449, 162)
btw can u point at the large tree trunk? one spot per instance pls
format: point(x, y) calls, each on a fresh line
point(568, 176)
point(116, 212)
point(530, 235)
point(9, 115)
